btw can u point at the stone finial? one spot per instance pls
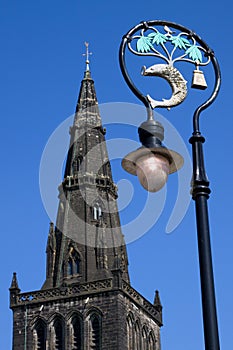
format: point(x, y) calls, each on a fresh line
point(157, 301)
point(14, 282)
point(14, 290)
point(158, 306)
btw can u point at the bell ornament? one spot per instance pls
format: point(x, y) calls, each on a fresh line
point(198, 81)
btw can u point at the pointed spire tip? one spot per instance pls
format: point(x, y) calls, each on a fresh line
point(157, 301)
point(14, 282)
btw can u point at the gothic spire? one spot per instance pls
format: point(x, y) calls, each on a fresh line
point(88, 236)
point(87, 110)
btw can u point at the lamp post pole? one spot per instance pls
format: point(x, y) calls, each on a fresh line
point(200, 194)
point(194, 47)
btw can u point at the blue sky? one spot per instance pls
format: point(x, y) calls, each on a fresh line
point(41, 69)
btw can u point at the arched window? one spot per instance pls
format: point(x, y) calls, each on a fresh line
point(40, 335)
point(58, 335)
point(137, 337)
point(70, 266)
point(97, 212)
point(144, 339)
point(76, 265)
point(76, 332)
point(95, 333)
point(151, 342)
point(73, 264)
point(130, 333)
point(77, 164)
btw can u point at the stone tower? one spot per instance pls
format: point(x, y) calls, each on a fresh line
point(86, 301)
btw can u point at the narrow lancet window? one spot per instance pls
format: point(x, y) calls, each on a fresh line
point(40, 336)
point(76, 334)
point(77, 164)
point(58, 335)
point(137, 337)
point(73, 264)
point(130, 333)
point(97, 212)
point(144, 339)
point(95, 333)
point(70, 266)
point(151, 342)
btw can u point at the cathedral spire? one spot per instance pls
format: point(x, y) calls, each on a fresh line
point(87, 110)
point(87, 237)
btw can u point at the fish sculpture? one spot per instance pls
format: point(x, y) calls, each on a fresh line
point(175, 80)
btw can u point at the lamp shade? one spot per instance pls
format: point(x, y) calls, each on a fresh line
point(152, 171)
point(152, 166)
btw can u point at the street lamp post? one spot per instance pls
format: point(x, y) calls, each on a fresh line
point(153, 162)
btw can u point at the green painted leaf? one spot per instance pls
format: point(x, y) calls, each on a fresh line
point(158, 38)
point(144, 44)
point(180, 42)
point(194, 53)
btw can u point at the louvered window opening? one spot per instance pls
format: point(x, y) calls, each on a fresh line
point(58, 336)
point(95, 334)
point(77, 338)
point(41, 340)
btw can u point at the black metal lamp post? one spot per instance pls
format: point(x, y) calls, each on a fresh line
point(153, 162)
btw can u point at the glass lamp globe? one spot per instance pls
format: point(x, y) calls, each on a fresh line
point(152, 171)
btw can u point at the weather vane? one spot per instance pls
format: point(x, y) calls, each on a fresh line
point(87, 54)
point(168, 43)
